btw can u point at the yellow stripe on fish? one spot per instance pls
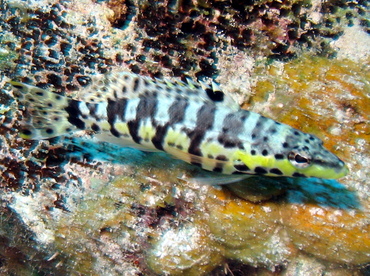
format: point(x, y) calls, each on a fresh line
point(193, 122)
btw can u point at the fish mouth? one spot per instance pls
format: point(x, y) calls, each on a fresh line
point(343, 171)
point(335, 167)
point(332, 170)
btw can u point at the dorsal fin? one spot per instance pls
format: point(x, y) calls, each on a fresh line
point(116, 85)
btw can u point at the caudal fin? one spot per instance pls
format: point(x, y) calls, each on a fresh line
point(44, 112)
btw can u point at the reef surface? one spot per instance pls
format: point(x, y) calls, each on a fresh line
point(73, 206)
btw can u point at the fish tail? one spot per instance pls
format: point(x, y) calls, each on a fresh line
point(45, 113)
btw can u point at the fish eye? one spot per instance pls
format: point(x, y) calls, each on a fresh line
point(299, 160)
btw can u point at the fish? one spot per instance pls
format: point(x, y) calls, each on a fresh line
point(192, 121)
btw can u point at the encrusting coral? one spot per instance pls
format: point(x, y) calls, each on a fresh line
point(72, 206)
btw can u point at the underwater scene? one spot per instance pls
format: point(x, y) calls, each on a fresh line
point(185, 137)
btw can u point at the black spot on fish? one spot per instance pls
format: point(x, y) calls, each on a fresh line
point(218, 168)
point(205, 120)
point(237, 172)
point(222, 158)
point(111, 112)
point(196, 139)
point(26, 132)
point(74, 113)
point(49, 131)
point(177, 111)
point(216, 96)
point(242, 167)
point(160, 133)
point(95, 127)
point(233, 123)
point(136, 84)
point(298, 174)
point(232, 126)
point(261, 120)
point(133, 127)
point(276, 171)
point(229, 142)
point(92, 110)
point(121, 105)
point(146, 108)
point(114, 109)
point(124, 89)
point(114, 132)
point(279, 156)
point(265, 152)
point(19, 87)
point(260, 170)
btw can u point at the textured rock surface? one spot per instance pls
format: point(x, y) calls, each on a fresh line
point(72, 206)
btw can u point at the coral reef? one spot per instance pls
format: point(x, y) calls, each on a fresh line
point(154, 222)
point(73, 206)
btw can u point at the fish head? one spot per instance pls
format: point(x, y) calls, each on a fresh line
point(310, 158)
point(291, 154)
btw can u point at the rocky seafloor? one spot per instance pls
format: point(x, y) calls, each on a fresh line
point(73, 206)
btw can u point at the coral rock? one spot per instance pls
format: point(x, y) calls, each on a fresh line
point(188, 250)
point(335, 235)
point(248, 231)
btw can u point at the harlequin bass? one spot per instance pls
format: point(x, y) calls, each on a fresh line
point(191, 121)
